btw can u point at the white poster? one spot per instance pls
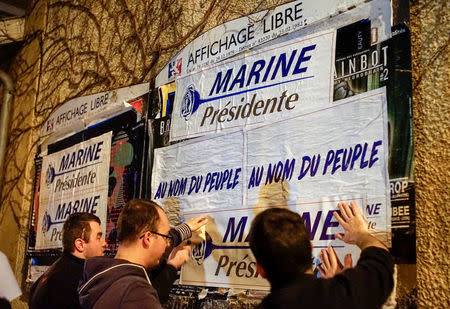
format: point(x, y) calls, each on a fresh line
point(73, 180)
point(307, 163)
point(278, 82)
point(204, 174)
point(241, 34)
point(78, 113)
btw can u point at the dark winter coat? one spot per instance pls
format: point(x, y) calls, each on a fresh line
point(367, 285)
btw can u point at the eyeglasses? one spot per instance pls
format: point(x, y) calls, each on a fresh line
point(168, 238)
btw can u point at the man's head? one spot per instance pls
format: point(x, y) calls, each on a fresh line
point(143, 225)
point(280, 242)
point(82, 235)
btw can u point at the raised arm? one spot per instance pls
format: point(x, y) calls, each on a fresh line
point(370, 282)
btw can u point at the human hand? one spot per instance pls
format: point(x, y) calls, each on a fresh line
point(197, 222)
point(331, 265)
point(355, 227)
point(354, 224)
point(179, 256)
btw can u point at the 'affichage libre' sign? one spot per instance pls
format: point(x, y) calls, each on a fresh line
point(78, 113)
point(73, 180)
point(241, 34)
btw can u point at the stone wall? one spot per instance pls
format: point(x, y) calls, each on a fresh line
point(431, 83)
point(76, 48)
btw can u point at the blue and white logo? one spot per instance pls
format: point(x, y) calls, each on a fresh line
point(190, 102)
point(50, 175)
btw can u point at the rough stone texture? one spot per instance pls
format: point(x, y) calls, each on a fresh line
point(76, 48)
point(430, 54)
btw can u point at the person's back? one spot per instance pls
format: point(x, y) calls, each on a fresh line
point(354, 288)
point(281, 233)
point(57, 287)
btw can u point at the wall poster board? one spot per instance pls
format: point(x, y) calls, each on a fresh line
point(122, 172)
point(213, 172)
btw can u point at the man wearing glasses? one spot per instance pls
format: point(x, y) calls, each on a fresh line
point(144, 235)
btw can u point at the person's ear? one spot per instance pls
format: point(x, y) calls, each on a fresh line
point(147, 240)
point(261, 270)
point(79, 245)
point(311, 244)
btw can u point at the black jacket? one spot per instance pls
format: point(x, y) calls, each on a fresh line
point(368, 285)
point(57, 287)
point(115, 283)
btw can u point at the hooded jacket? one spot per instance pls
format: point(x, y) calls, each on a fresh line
point(116, 283)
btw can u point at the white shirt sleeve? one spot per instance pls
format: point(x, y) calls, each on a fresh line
point(9, 289)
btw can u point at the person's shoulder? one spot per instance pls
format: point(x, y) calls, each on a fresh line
point(375, 251)
point(96, 264)
point(300, 293)
point(63, 270)
point(139, 292)
point(139, 283)
point(100, 259)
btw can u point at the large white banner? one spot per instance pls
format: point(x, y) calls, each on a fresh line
point(307, 163)
point(73, 180)
point(278, 82)
point(243, 33)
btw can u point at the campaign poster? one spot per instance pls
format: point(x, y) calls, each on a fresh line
point(306, 163)
point(278, 82)
point(72, 180)
point(241, 34)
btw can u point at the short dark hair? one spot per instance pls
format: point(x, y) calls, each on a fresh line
point(281, 244)
point(77, 226)
point(137, 215)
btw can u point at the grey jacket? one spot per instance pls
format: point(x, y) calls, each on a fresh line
point(115, 283)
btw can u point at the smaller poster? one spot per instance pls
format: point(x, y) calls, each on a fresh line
point(78, 113)
point(359, 66)
point(72, 180)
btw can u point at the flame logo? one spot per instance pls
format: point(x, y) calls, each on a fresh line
point(203, 250)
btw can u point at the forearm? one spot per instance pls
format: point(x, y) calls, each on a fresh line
point(365, 240)
point(368, 284)
point(180, 233)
